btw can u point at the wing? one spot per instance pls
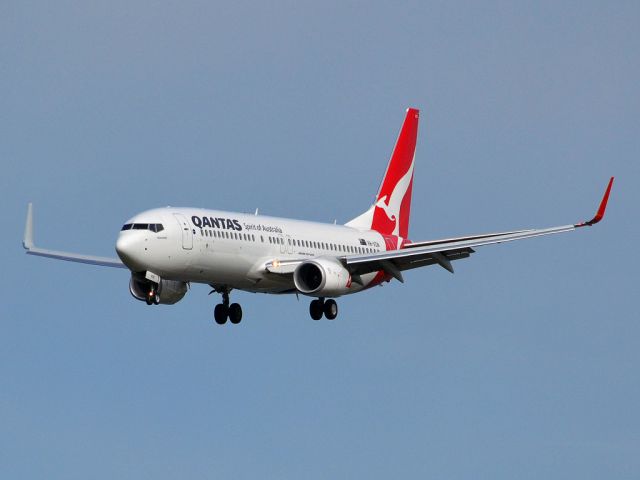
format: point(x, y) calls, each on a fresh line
point(71, 257)
point(436, 252)
point(442, 252)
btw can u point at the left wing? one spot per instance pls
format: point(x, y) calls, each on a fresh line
point(31, 249)
point(442, 252)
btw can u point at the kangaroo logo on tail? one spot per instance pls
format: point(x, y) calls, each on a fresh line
point(389, 215)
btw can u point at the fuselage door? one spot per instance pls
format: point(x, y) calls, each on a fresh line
point(289, 245)
point(185, 228)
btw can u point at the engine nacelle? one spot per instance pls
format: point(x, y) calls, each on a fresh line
point(322, 277)
point(170, 291)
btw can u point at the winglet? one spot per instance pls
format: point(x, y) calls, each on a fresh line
point(27, 242)
point(601, 209)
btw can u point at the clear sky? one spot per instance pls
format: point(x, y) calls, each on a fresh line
point(524, 364)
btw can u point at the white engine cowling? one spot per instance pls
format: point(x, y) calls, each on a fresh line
point(322, 277)
point(170, 291)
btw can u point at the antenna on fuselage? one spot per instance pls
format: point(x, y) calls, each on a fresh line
point(256, 214)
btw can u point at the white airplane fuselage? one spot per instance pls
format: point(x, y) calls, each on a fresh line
point(231, 249)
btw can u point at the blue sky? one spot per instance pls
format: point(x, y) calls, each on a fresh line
point(522, 364)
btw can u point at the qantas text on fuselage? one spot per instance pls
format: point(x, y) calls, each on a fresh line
point(167, 249)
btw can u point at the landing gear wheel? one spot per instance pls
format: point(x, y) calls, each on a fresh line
point(152, 297)
point(220, 314)
point(330, 309)
point(315, 309)
point(235, 313)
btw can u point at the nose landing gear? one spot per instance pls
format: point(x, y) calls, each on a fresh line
point(152, 298)
point(321, 306)
point(223, 311)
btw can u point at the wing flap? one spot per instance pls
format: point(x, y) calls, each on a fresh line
point(452, 250)
point(75, 257)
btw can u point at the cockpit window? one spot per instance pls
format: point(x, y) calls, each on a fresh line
point(154, 227)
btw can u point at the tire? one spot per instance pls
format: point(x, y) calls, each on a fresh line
point(315, 309)
point(220, 314)
point(330, 309)
point(235, 313)
point(156, 299)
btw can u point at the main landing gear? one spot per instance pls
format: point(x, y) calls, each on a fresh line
point(224, 311)
point(321, 306)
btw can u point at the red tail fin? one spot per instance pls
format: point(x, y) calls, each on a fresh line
point(390, 213)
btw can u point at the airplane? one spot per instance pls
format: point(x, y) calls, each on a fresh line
point(168, 249)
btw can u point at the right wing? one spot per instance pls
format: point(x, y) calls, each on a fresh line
point(31, 249)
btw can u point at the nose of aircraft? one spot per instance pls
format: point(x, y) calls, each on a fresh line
point(128, 249)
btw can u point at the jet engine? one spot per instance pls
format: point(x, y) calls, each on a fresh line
point(322, 277)
point(169, 291)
